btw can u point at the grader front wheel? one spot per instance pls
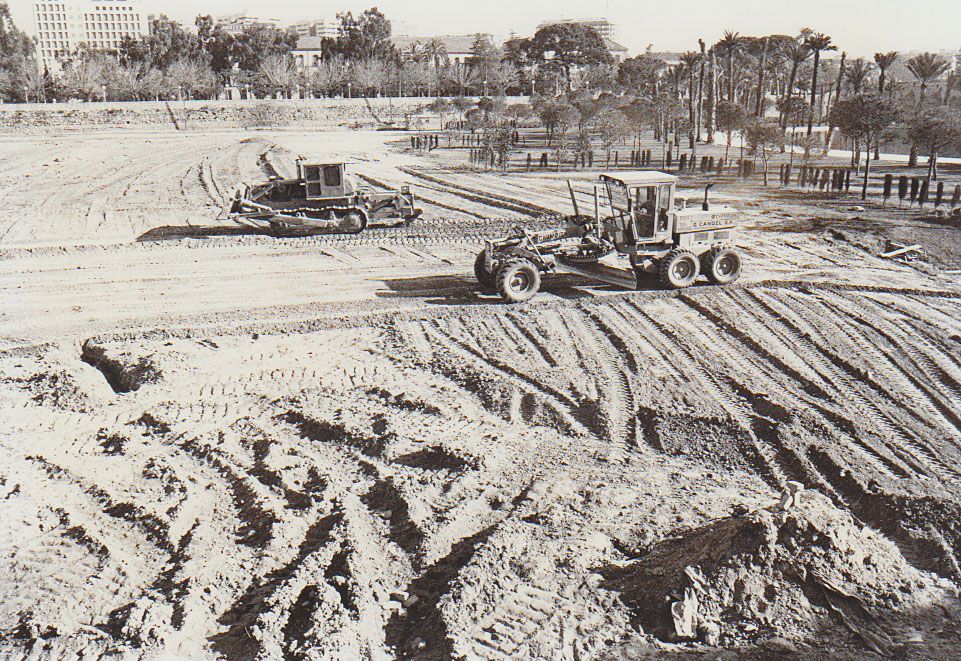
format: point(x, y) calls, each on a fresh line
point(485, 277)
point(678, 269)
point(518, 280)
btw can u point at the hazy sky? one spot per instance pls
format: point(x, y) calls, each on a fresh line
point(860, 27)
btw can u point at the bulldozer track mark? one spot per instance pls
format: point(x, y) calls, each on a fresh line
point(481, 196)
point(514, 622)
point(424, 620)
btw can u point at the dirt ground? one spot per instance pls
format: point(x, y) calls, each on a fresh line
point(224, 444)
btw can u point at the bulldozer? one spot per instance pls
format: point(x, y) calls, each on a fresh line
point(322, 198)
point(636, 218)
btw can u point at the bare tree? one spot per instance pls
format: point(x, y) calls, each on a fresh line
point(279, 74)
point(369, 75)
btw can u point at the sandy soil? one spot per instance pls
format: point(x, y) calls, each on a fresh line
point(238, 446)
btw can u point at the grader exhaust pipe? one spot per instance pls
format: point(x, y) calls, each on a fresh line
point(706, 206)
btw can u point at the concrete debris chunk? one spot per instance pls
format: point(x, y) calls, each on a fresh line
point(684, 613)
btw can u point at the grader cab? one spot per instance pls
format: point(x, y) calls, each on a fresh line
point(635, 216)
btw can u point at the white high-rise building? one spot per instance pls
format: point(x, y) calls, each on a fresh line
point(63, 25)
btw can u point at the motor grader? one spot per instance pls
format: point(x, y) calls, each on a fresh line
point(322, 198)
point(637, 217)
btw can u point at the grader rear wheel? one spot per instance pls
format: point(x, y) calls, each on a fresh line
point(518, 280)
point(722, 265)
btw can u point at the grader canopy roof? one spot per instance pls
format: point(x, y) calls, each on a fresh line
point(638, 178)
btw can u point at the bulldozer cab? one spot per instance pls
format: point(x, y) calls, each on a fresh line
point(641, 204)
point(324, 180)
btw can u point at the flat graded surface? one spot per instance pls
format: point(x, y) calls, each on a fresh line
point(232, 445)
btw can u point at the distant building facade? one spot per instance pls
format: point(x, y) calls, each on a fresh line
point(308, 52)
point(317, 27)
point(63, 25)
point(456, 49)
point(236, 23)
point(602, 26)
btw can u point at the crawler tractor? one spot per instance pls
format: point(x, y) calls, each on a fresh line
point(636, 217)
point(322, 198)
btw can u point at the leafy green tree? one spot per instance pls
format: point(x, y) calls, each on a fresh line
point(483, 56)
point(731, 117)
point(764, 137)
point(934, 129)
point(259, 42)
point(867, 118)
point(14, 44)
point(570, 45)
point(365, 37)
point(640, 74)
point(556, 115)
point(612, 127)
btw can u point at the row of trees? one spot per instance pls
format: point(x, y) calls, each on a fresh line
point(361, 58)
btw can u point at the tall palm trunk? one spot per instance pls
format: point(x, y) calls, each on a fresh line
point(759, 107)
point(789, 92)
point(837, 97)
point(814, 92)
point(730, 77)
point(913, 157)
point(711, 98)
point(700, 91)
point(690, 107)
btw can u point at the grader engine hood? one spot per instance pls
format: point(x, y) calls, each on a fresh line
point(695, 220)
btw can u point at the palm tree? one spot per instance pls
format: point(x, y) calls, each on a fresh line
point(859, 70)
point(884, 62)
point(435, 52)
point(951, 83)
point(728, 47)
point(690, 60)
point(816, 43)
point(837, 97)
point(798, 53)
point(925, 67)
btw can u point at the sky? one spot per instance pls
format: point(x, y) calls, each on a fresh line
point(860, 27)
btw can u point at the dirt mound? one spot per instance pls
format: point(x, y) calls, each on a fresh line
point(777, 573)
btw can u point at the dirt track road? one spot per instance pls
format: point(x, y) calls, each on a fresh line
point(225, 283)
point(244, 446)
